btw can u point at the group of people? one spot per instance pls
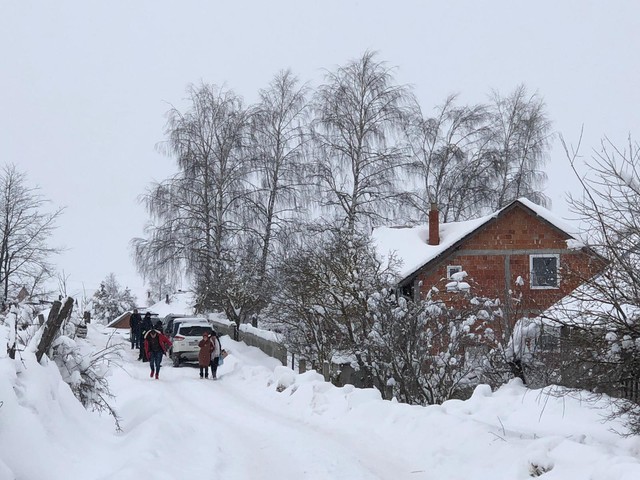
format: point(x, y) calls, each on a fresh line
point(209, 355)
point(150, 340)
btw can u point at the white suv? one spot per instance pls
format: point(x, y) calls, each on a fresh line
point(188, 334)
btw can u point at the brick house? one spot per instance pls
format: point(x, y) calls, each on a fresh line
point(521, 250)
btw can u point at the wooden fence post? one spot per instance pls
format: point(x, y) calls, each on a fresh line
point(56, 317)
point(302, 365)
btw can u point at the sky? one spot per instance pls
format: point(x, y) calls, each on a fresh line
point(84, 86)
point(260, 420)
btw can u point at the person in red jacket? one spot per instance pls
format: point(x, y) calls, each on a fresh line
point(156, 344)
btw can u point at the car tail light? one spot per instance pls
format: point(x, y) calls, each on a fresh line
point(178, 337)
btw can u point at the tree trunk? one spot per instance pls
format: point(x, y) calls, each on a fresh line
point(54, 322)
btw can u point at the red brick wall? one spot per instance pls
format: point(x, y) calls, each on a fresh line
point(515, 235)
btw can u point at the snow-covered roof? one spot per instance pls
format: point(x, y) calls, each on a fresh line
point(410, 247)
point(577, 240)
point(180, 303)
point(410, 244)
point(585, 307)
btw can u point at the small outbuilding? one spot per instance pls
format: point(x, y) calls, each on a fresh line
point(123, 320)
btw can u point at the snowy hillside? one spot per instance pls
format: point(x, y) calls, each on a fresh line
point(262, 421)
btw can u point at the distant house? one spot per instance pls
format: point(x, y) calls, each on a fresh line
point(22, 294)
point(122, 321)
point(178, 304)
point(521, 248)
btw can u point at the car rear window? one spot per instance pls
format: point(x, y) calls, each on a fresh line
point(194, 331)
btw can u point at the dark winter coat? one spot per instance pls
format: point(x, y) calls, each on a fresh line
point(156, 343)
point(204, 356)
point(146, 323)
point(135, 321)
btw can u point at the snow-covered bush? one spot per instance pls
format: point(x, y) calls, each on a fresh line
point(110, 300)
point(322, 304)
point(84, 369)
point(19, 318)
point(337, 301)
point(429, 351)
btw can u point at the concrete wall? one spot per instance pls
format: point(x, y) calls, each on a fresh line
point(271, 348)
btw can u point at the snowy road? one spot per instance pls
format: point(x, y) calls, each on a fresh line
point(261, 421)
point(230, 429)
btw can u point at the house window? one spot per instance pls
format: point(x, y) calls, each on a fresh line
point(451, 269)
point(407, 291)
point(544, 270)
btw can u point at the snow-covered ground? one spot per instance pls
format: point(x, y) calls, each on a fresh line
point(262, 421)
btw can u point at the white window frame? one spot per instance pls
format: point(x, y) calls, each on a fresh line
point(531, 275)
point(451, 267)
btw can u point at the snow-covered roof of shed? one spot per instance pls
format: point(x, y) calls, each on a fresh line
point(180, 303)
point(410, 244)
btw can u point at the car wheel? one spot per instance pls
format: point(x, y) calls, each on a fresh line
point(176, 360)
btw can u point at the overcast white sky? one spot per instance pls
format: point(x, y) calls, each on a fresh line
point(84, 86)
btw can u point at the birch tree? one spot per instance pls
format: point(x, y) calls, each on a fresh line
point(518, 147)
point(277, 142)
point(359, 113)
point(448, 162)
point(196, 215)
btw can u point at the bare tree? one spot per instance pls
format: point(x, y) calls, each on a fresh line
point(159, 285)
point(595, 332)
point(518, 148)
point(25, 230)
point(277, 141)
point(197, 216)
point(448, 161)
point(359, 114)
point(321, 304)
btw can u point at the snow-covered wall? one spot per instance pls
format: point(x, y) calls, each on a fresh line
point(266, 340)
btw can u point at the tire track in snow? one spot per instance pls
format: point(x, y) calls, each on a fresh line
point(371, 455)
point(250, 439)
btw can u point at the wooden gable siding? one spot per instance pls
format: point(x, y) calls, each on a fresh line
point(498, 253)
point(122, 321)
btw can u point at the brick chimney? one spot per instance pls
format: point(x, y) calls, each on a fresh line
point(434, 225)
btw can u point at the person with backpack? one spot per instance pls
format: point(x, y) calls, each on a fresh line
point(204, 355)
point(216, 351)
point(145, 327)
point(134, 323)
point(156, 345)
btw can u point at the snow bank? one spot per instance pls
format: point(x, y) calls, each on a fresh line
point(262, 420)
point(44, 431)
